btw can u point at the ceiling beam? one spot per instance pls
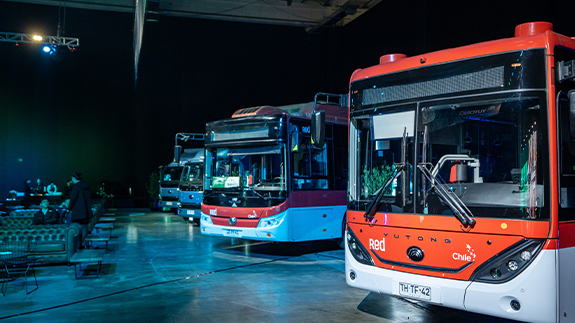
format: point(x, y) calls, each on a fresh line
point(311, 14)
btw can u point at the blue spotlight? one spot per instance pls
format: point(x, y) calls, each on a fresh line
point(52, 51)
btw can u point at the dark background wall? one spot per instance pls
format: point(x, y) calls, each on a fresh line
point(86, 113)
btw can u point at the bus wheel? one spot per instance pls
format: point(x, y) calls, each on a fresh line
point(341, 241)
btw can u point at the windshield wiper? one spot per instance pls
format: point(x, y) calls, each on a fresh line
point(459, 208)
point(376, 202)
point(252, 188)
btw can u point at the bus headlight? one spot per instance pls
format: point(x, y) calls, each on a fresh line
point(357, 250)
point(508, 263)
point(525, 255)
point(271, 221)
point(206, 219)
point(512, 265)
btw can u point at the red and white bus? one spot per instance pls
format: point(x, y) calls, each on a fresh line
point(462, 177)
point(265, 181)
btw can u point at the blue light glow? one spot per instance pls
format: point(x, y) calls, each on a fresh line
point(46, 49)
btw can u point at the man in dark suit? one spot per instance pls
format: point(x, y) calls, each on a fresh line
point(46, 215)
point(80, 204)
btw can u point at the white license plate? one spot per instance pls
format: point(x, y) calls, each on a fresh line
point(191, 212)
point(233, 233)
point(169, 203)
point(417, 291)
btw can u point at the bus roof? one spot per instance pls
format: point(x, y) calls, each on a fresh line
point(527, 36)
point(189, 155)
point(193, 155)
point(333, 113)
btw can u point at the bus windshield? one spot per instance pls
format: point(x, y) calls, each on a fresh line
point(171, 173)
point(259, 169)
point(484, 156)
point(192, 174)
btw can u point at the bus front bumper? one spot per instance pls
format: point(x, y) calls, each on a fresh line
point(534, 288)
point(271, 233)
point(190, 210)
point(169, 204)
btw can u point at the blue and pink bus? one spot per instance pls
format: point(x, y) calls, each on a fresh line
point(264, 180)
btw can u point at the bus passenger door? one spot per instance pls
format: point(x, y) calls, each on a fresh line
point(566, 252)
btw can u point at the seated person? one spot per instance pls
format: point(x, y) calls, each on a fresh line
point(64, 212)
point(39, 188)
point(51, 189)
point(46, 215)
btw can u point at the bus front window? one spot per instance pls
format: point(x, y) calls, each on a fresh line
point(248, 168)
point(386, 147)
point(192, 175)
point(171, 174)
point(486, 153)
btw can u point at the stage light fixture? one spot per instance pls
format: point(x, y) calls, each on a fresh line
point(52, 51)
point(54, 54)
point(45, 41)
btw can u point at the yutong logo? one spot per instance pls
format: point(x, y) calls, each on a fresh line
point(415, 253)
point(380, 244)
point(420, 238)
point(214, 212)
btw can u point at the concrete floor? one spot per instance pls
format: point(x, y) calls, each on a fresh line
point(161, 269)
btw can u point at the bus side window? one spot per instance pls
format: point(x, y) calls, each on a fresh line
point(303, 165)
point(310, 167)
point(319, 162)
point(299, 163)
point(566, 162)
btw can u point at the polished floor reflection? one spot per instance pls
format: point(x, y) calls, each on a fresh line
point(161, 269)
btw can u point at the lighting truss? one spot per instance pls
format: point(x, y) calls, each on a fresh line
point(69, 42)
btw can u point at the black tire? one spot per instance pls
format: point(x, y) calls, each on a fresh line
point(341, 241)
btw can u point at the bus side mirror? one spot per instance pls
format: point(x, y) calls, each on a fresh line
point(318, 129)
point(572, 113)
point(177, 153)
